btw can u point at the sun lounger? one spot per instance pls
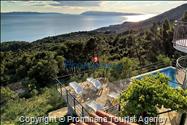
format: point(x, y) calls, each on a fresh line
point(77, 88)
point(96, 83)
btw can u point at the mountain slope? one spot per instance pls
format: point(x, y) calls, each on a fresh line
point(172, 14)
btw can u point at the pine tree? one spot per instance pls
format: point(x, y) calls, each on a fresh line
point(167, 38)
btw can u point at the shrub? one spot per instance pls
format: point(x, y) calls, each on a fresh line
point(144, 96)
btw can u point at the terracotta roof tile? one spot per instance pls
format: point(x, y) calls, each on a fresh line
point(71, 124)
point(101, 115)
point(80, 123)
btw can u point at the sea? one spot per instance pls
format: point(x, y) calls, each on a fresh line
point(31, 27)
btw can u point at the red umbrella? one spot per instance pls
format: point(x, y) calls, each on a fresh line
point(95, 59)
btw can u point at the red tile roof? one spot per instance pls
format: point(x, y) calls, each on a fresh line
point(111, 120)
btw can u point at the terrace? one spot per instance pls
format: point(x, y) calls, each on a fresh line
point(86, 97)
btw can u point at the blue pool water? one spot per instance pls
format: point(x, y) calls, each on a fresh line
point(168, 71)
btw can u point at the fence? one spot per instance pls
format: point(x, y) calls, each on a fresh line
point(72, 102)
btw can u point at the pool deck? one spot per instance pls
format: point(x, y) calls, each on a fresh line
point(106, 96)
point(155, 71)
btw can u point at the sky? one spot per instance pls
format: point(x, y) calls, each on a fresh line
point(77, 7)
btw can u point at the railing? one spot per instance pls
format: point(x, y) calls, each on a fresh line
point(180, 43)
point(180, 36)
point(182, 62)
point(72, 102)
point(181, 71)
point(115, 110)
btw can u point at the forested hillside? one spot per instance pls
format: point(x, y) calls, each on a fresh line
point(35, 65)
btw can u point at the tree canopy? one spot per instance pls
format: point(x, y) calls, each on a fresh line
point(143, 97)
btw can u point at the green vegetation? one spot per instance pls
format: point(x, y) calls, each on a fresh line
point(35, 65)
point(12, 106)
point(143, 97)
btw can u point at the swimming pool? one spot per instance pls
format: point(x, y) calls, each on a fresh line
point(168, 71)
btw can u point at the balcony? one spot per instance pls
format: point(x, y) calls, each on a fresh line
point(180, 36)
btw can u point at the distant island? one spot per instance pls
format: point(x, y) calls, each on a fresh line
point(20, 13)
point(87, 13)
point(102, 13)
